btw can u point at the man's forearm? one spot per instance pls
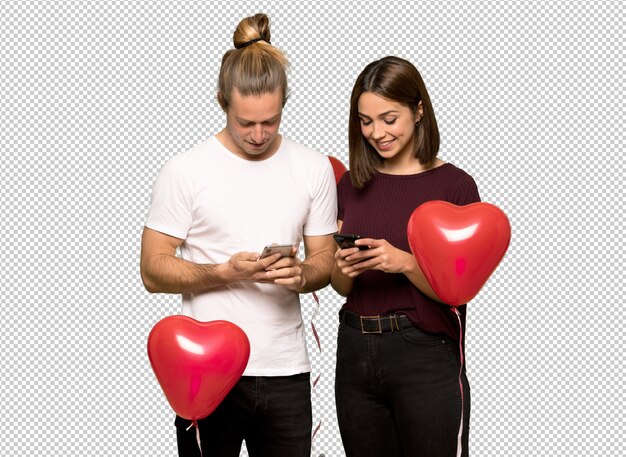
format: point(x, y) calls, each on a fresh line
point(316, 271)
point(170, 274)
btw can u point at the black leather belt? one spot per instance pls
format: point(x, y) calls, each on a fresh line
point(376, 324)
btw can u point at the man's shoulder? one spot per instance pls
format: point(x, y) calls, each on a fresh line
point(190, 158)
point(301, 152)
point(199, 150)
point(291, 146)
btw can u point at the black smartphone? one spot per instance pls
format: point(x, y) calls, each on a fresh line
point(285, 250)
point(345, 241)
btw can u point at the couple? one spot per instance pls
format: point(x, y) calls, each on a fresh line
point(401, 389)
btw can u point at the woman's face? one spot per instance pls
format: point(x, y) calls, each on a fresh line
point(388, 126)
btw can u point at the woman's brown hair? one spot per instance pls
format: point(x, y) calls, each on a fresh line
point(397, 80)
point(254, 67)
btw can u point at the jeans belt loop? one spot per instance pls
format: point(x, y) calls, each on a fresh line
point(393, 319)
point(380, 329)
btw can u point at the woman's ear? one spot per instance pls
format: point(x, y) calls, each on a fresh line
point(419, 112)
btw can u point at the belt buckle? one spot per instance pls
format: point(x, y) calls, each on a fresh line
point(380, 329)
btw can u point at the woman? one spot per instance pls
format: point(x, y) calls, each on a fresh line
point(401, 387)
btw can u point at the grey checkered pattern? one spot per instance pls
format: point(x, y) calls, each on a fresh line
point(96, 96)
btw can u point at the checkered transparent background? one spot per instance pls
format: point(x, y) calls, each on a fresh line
point(96, 96)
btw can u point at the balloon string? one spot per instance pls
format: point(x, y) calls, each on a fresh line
point(459, 446)
point(319, 347)
point(315, 313)
point(317, 429)
point(195, 424)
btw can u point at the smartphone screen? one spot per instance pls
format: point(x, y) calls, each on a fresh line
point(346, 241)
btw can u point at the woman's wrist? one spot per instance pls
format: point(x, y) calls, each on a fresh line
point(409, 264)
point(340, 282)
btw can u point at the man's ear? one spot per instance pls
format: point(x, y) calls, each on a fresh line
point(221, 101)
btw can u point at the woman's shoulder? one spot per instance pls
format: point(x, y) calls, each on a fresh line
point(452, 169)
point(462, 185)
point(454, 173)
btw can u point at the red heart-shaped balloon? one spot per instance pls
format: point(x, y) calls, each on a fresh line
point(197, 363)
point(458, 247)
point(339, 169)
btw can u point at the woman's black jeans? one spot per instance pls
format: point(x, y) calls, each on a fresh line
point(398, 394)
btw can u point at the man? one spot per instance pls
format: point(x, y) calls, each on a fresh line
point(220, 203)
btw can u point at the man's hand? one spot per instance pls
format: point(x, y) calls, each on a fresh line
point(286, 271)
point(247, 267)
point(162, 271)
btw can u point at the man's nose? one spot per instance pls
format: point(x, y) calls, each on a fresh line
point(257, 133)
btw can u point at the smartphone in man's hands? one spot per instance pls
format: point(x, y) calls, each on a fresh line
point(285, 250)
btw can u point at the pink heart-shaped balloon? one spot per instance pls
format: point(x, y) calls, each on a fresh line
point(458, 247)
point(197, 363)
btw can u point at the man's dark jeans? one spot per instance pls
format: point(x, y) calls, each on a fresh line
point(272, 414)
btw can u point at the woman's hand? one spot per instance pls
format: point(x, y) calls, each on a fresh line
point(381, 255)
point(341, 259)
